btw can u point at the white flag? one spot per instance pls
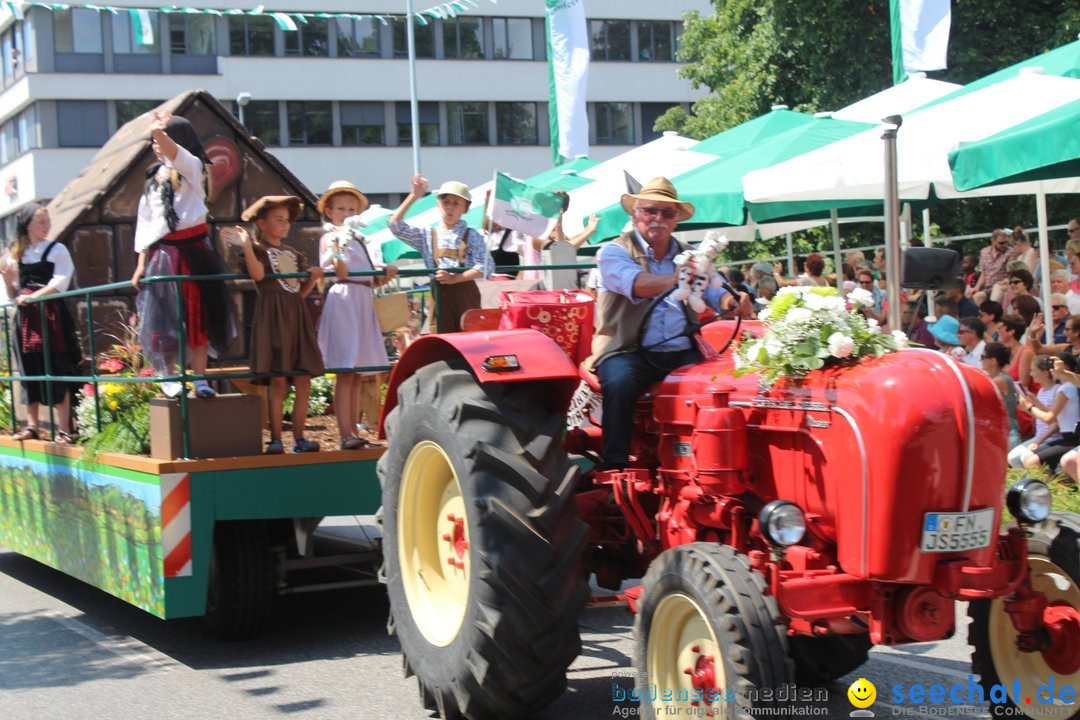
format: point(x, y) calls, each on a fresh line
point(521, 207)
point(144, 28)
point(568, 72)
point(924, 34)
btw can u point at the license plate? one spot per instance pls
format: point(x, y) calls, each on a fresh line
point(957, 532)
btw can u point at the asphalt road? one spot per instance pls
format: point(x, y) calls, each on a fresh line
point(70, 651)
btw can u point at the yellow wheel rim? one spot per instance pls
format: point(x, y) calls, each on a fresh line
point(681, 640)
point(1031, 668)
point(433, 543)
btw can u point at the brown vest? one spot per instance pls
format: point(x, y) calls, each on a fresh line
point(619, 318)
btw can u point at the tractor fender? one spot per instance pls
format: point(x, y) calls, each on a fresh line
point(540, 359)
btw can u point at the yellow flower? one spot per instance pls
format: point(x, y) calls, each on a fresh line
point(113, 404)
point(113, 388)
point(331, 376)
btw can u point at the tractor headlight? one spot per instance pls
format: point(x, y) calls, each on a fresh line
point(783, 522)
point(1029, 500)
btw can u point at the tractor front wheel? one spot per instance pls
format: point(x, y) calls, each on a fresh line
point(1054, 564)
point(708, 637)
point(482, 544)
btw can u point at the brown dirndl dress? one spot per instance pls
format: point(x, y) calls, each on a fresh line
point(283, 336)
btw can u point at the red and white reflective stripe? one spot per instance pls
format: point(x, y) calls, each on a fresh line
point(176, 524)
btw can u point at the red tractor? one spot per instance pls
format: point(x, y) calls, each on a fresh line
point(779, 534)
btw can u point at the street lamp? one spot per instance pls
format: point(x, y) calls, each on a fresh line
point(241, 100)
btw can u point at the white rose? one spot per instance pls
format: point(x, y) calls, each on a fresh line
point(861, 298)
point(765, 314)
point(840, 345)
point(873, 325)
point(815, 301)
point(773, 346)
point(798, 315)
point(900, 338)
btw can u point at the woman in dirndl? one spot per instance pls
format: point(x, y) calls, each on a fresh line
point(172, 238)
point(37, 268)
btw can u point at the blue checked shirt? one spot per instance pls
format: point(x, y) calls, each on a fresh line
point(476, 254)
point(617, 274)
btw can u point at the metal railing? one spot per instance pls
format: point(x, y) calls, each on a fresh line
point(183, 376)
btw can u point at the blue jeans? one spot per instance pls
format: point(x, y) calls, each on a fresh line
point(623, 379)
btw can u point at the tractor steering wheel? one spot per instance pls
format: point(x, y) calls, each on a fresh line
point(691, 328)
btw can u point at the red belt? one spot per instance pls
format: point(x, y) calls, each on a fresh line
point(188, 233)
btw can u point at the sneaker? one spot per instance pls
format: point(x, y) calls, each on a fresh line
point(304, 445)
point(204, 390)
point(172, 388)
point(274, 447)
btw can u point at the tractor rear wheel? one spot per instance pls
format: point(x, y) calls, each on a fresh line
point(820, 660)
point(1054, 564)
point(707, 635)
point(482, 544)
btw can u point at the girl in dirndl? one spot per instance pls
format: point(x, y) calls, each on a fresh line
point(37, 268)
point(282, 334)
point(349, 331)
point(172, 238)
point(451, 244)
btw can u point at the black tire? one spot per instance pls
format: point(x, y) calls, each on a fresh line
point(1054, 560)
point(518, 617)
point(240, 597)
point(820, 660)
point(727, 614)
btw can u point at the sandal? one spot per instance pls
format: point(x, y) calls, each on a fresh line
point(30, 432)
point(353, 442)
point(63, 438)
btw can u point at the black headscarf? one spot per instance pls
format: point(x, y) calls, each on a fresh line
point(26, 214)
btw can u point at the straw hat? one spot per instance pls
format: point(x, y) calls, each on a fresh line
point(453, 187)
point(339, 187)
point(659, 189)
point(269, 202)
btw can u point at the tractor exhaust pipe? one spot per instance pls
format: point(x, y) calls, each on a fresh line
point(892, 221)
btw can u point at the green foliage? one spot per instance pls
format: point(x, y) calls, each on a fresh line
point(322, 394)
point(127, 432)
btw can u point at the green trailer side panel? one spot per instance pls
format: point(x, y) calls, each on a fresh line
point(345, 488)
point(94, 522)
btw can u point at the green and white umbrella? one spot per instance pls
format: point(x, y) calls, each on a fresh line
point(1045, 148)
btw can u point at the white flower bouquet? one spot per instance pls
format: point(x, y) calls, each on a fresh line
point(807, 328)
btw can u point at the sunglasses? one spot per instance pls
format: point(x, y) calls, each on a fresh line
point(666, 213)
point(866, 282)
point(1015, 282)
point(1058, 307)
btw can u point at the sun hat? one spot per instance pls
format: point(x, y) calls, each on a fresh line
point(268, 202)
point(945, 330)
point(659, 189)
point(454, 187)
point(339, 187)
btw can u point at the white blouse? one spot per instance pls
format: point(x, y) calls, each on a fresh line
point(63, 267)
point(189, 201)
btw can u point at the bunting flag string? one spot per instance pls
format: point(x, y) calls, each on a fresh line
point(287, 21)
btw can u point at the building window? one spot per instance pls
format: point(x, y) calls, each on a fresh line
point(7, 46)
point(650, 112)
point(515, 123)
point(191, 34)
point(463, 38)
point(429, 123)
point(363, 123)
point(82, 123)
point(610, 39)
point(513, 38)
point(124, 40)
point(309, 123)
point(8, 143)
point(262, 120)
point(28, 41)
point(468, 123)
point(310, 39)
point(614, 123)
point(251, 35)
point(656, 40)
point(77, 31)
point(128, 110)
point(424, 37)
point(358, 37)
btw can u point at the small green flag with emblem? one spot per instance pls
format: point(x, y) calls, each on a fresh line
point(142, 27)
point(521, 207)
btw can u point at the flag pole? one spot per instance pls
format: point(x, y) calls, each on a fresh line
point(414, 106)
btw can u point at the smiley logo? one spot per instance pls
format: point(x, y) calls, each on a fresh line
point(862, 693)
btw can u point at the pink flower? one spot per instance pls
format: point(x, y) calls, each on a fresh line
point(111, 365)
point(146, 372)
point(88, 390)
